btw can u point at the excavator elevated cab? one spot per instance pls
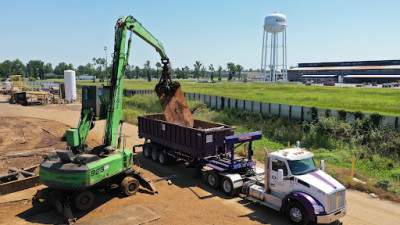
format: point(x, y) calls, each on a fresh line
point(96, 98)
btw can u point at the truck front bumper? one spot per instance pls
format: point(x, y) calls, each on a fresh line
point(326, 219)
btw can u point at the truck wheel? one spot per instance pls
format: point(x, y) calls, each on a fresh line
point(213, 179)
point(154, 154)
point(163, 158)
point(147, 151)
point(129, 186)
point(227, 186)
point(297, 214)
point(83, 200)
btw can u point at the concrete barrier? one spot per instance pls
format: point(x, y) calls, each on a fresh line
point(389, 121)
point(202, 97)
point(248, 105)
point(296, 112)
point(285, 111)
point(256, 107)
point(219, 102)
point(240, 104)
point(307, 114)
point(265, 108)
point(213, 101)
point(275, 109)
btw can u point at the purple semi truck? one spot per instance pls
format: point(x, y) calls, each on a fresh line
point(290, 181)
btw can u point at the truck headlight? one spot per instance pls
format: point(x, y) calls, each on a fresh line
point(318, 208)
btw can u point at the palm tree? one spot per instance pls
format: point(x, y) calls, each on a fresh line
point(137, 70)
point(186, 72)
point(239, 69)
point(203, 72)
point(231, 67)
point(147, 71)
point(197, 67)
point(219, 73)
point(158, 66)
point(211, 68)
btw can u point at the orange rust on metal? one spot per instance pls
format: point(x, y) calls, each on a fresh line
point(175, 107)
point(146, 183)
point(19, 185)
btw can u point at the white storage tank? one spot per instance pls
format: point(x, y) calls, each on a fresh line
point(70, 85)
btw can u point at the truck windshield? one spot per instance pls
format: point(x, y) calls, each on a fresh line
point(303, 166)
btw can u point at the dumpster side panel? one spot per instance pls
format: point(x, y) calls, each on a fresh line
point(205, 139)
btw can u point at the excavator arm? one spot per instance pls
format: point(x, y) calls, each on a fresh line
point(171, 96)
point(137, 28)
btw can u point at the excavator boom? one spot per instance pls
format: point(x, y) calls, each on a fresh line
point(173, 102)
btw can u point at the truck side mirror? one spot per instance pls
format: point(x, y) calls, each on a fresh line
point(280, 174)
point(322, 165)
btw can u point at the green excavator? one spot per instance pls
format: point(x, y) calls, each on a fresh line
point(72, 174)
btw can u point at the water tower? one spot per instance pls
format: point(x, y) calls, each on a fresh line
point(274, 30)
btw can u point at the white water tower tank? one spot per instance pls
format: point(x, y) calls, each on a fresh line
point(274, 53)
point(275, 23)
point(70, 85)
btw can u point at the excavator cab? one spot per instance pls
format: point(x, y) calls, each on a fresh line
point(96, 98)
point(172, 99)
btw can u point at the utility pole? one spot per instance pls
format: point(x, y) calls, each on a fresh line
point(105, 50)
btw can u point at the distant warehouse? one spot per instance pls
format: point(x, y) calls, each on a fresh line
point(382, 71)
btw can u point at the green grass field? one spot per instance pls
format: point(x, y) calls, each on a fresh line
point(368, 100)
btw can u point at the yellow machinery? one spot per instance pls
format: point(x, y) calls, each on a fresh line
point(19, 86)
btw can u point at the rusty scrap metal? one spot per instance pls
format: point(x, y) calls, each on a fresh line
point(17, 180)
point(176, 110)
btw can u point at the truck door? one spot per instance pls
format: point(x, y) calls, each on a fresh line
point(281, 187)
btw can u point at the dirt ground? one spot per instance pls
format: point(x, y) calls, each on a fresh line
point(186, 201)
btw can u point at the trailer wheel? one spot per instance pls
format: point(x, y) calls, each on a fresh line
point(83, 200)
point(227, 186)
point(163, 158)
point(297, 214)
point(213, 179)
point(129, 186)
point(147, 151)
point(154, 154)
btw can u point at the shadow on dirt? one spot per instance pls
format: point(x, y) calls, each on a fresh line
point(46, 213)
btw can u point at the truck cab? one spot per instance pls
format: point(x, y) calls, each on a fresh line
point(294, 185)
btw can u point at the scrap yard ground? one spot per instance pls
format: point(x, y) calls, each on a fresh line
point(186, 201)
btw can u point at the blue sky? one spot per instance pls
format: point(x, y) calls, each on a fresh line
point(216, 32)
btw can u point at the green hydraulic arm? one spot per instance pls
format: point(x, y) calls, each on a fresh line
point(76, 138)
point(120, 61)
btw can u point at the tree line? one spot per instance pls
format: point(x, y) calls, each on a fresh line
point(38, 69)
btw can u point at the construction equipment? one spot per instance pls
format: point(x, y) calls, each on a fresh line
point(19, 88)
point(71, 174)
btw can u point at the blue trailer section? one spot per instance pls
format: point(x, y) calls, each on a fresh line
point(233, 164)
